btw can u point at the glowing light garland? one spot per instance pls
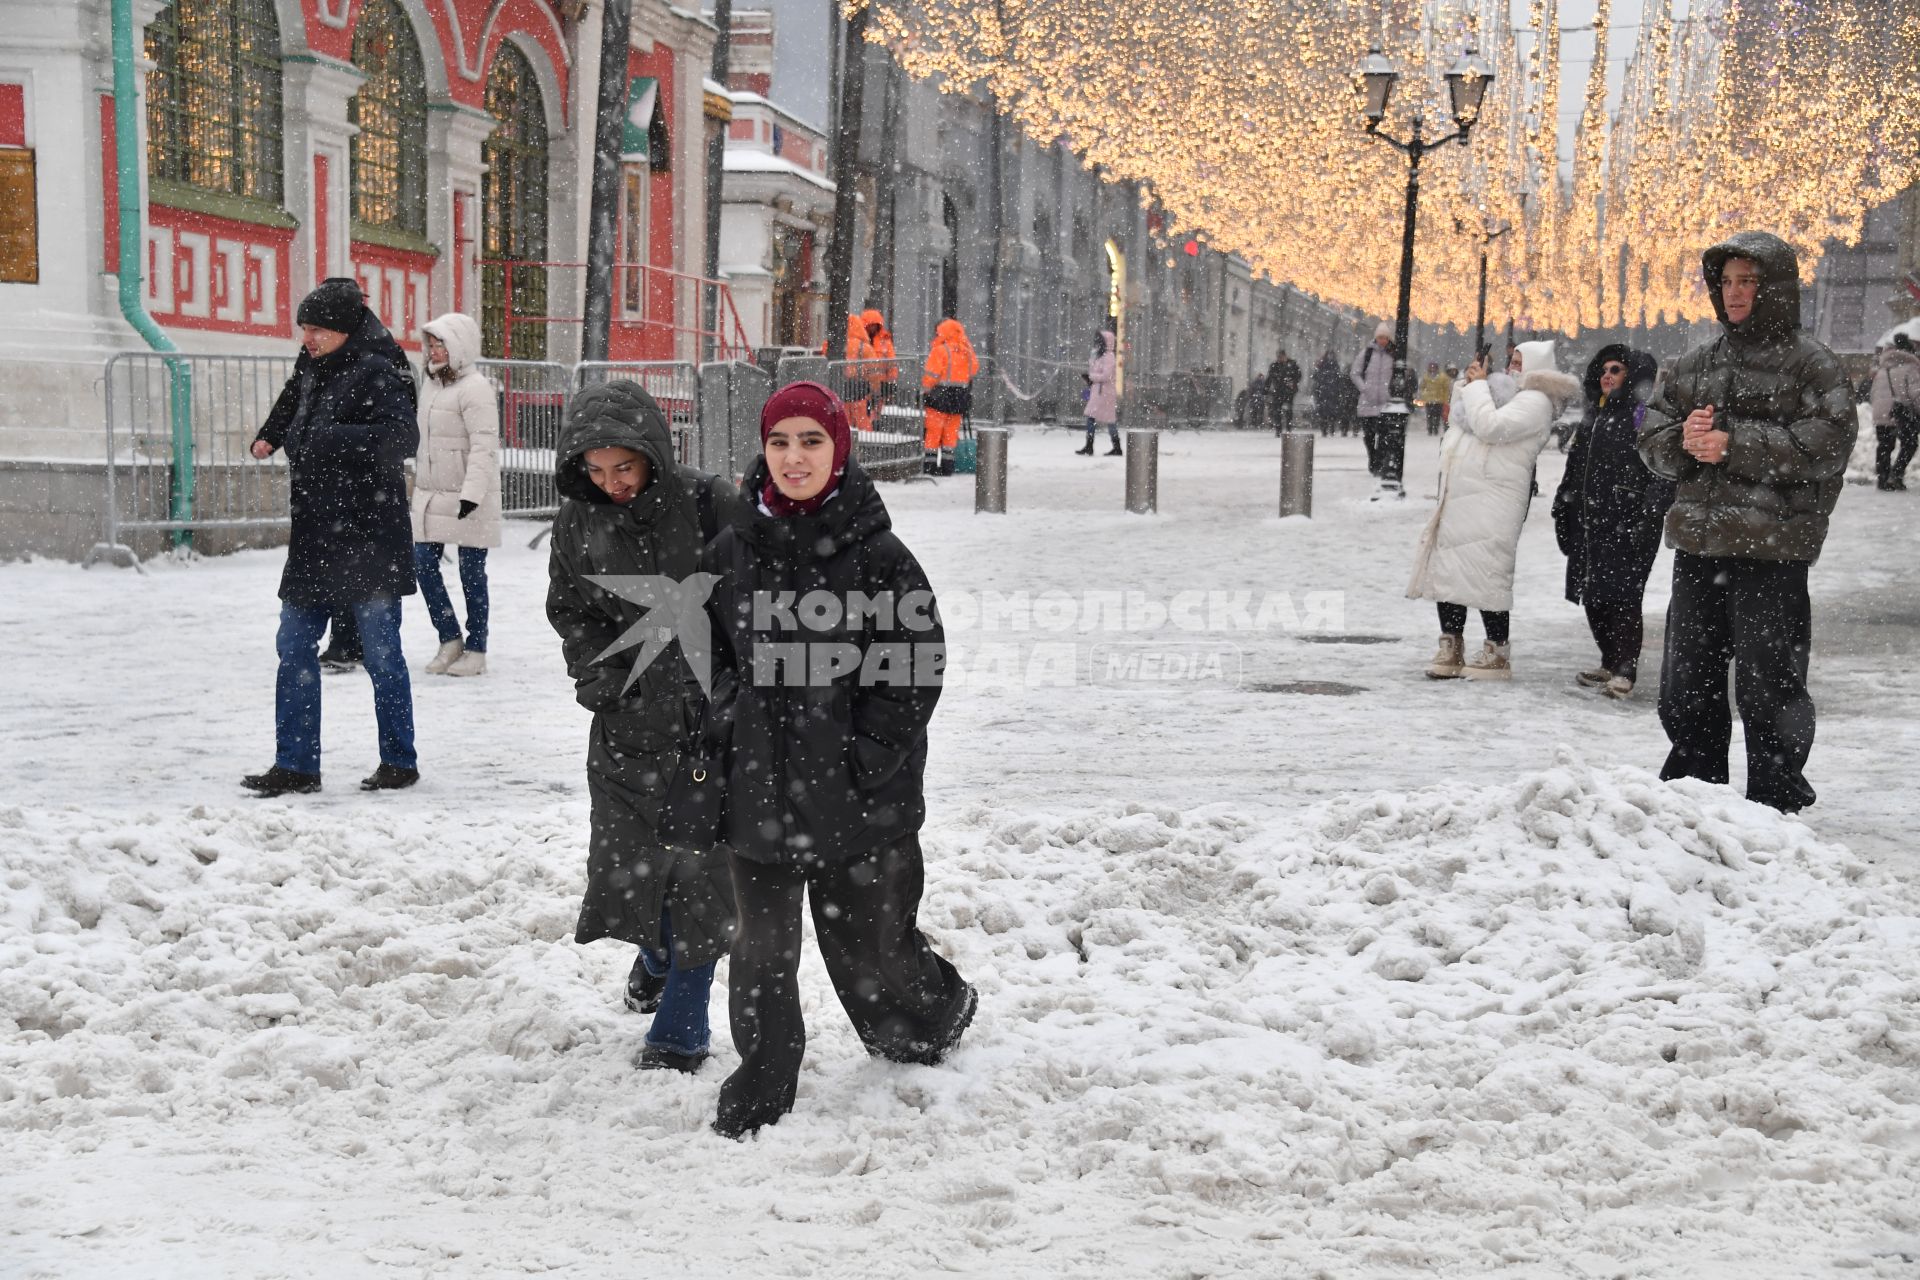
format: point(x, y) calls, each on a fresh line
point(1243, 123)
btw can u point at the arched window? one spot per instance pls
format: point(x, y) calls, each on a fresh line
point(390, 110)
point(213, 98)
point(513, 199)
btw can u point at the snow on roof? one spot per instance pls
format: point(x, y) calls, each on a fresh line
point(742, 161)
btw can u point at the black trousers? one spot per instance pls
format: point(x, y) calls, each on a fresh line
point(1754, 614)
point(1436, 418)
point(904, 999)
point(1619, 629)
point(1453, 621)
point(1370, 433)
point(343, 640)
point(1905, 434)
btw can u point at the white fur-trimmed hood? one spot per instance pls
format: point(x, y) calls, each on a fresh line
point(1561, 388)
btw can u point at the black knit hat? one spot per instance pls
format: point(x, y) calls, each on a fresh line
point(336, 304)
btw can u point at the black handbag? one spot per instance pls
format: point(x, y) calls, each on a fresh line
point(950, 397)
point(694, 813)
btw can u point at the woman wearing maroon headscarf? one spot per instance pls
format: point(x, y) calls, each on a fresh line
point(828, 656)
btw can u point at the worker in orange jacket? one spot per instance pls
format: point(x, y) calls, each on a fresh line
point(853, 393)
point(947, 394)
point(884, 372)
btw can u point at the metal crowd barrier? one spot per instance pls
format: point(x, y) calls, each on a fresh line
point(533, 406)
point(883, 399)
point(180, 431)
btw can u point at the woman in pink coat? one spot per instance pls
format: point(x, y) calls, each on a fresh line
point(1103, 397)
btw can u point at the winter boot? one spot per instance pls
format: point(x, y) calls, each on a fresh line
point(336, 662)
point(1115, 451)
point(1595, 678)
point(930, 463)
point(946, 462)
point(1087, 451)
point(443, 656)
point(471, 662)
point(643, 988)
point(1447, 660)
point(389, 777)
point(1493, 662)
point(1619, 689)
point(652, 1059)
point(279, 782)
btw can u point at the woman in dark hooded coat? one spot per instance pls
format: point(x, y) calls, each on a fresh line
point(828, 656)
point(630, 515)
point(1608, 513)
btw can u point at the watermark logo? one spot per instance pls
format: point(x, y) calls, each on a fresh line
point(676, 610)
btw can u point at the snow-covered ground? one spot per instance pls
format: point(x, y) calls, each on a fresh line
point(1403, 978)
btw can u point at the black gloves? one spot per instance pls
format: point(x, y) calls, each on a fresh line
point(467, 507)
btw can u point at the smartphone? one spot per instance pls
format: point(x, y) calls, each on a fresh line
point(1486, 357)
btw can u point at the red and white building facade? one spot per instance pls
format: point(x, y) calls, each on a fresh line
point(415, 145)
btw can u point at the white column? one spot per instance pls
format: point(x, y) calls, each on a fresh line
point(455, 135)
point(316, 91)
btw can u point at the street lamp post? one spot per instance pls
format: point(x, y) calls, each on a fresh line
point(1487, 236)
point(1467, 82)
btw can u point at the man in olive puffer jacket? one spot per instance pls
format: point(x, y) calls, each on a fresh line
point(1755, 428)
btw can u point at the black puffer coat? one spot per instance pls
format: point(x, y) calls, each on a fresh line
point(640, 731)
point(831, 765)
point(1608, 511)
point(1782, 397)
point(348, 427)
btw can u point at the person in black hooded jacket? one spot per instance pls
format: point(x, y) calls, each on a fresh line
point(630, 513)
point(1755, 428)
point(828, 656)
point(343, 651)
point(351, 429)
point(1608, 511)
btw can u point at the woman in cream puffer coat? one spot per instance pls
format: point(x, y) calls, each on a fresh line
point(1466, 554)
point(456, 489)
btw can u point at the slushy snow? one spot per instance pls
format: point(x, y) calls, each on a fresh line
point(1533, 1013)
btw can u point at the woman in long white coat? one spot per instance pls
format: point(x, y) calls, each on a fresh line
point(1466, 554)
point(456, 489)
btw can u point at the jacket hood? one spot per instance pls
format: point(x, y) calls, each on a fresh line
point(461, 334)
point(853, 513)
point(872, 316)
point(1776, 311)
point(1894, 357)
point(618, 414)
point(856, 329)
point(951, 330)
point(1641, 370)
point(1108, 340)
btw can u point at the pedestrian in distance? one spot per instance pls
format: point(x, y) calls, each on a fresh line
point(859, 359)
point(1467, 550)
point(456, 490)
point(1435, 392)
point(1330, 388)
point(946, 392)
point(350, 429)
point(1755, 428)
point(1103, 396)
point(1386, 437)
point(884, 373)
point(1283, 384)
point(630, 514)
point(824, 758)
point(1894, 396)
point(1608, 512)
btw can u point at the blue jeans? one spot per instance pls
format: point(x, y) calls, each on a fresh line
point(473, 585)
point(680, 1024)
point(296, 704)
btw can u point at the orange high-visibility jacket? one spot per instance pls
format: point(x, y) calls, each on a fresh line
point(952, 358)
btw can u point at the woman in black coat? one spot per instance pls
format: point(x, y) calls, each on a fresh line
point(1608, 513)
point(629, 513)
point(828, 657)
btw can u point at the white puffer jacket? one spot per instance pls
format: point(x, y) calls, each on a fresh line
point(1467, 550)
point(459, 445)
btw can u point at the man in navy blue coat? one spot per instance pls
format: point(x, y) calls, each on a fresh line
point(347, 440)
